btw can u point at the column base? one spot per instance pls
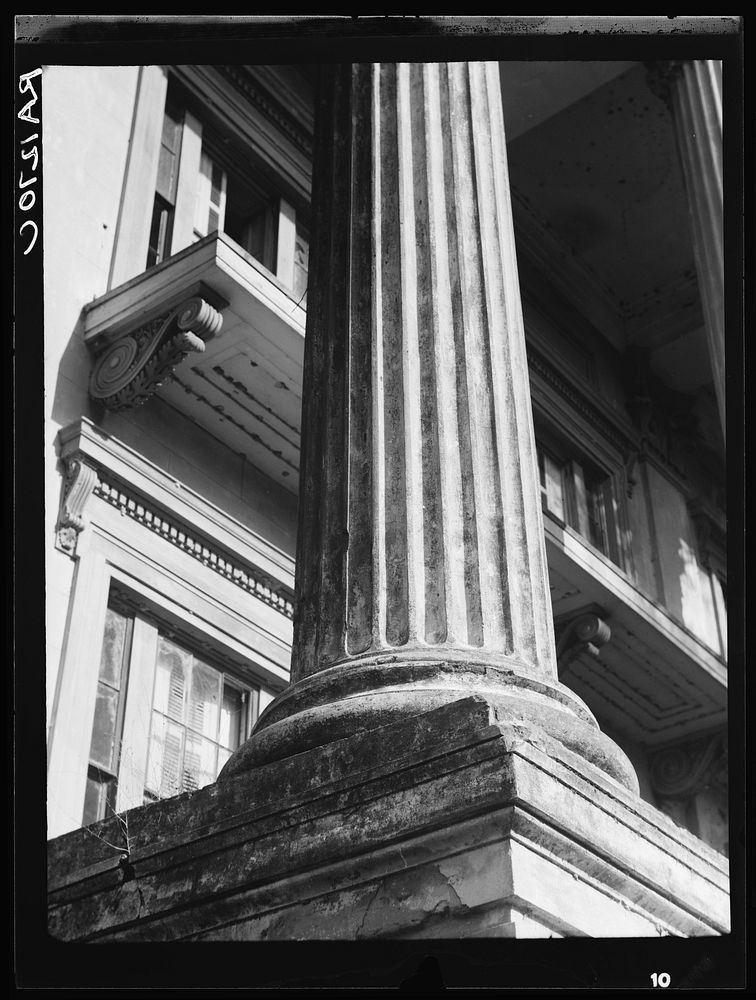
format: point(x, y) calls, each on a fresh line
point(370, 691)
point(448, 825)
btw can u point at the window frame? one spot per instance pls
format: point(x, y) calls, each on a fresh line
point(136, 702)
point(581, 479)
point(249, 635)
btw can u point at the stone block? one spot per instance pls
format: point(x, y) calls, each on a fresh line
point(444, 825)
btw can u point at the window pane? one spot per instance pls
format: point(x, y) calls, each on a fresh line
point(160, 232)
point(171, 128)
point(102, 750)
point(204, 700)
point(168, 158)
point(200, 763)
point(232, 715)
point(552, 476)
point(166, 178)
point(114, 640)
point(95, 798)
point(597, 519)
point(171, 678)
point(165, 757)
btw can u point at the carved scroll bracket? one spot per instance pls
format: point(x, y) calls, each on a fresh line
point(587, 632)
point(683, 770)
point(79, 484)
point(133, 368)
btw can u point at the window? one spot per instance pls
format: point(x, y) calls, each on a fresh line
point(172, 734)
point(580, 495)
point(161, 229)
point(207, 184)
point(199, 717)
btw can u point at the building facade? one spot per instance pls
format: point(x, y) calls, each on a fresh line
point(175, 364)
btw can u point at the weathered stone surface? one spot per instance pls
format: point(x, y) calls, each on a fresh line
point(447, 824)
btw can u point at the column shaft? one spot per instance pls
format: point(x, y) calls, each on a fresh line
point(427, 531)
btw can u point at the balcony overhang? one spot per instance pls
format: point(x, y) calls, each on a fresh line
point(243, 383)
point(654, 681)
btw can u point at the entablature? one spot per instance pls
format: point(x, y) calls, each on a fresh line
point(119, 476)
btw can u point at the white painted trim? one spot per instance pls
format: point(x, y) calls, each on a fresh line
point(76, 695)
point(216, 260)
point(287, 238)
point(135, 736)
point(135, 215)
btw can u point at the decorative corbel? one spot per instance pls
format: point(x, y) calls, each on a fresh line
point(683, 770)
point(133, 367)
point(586, 633)
point(78, 486)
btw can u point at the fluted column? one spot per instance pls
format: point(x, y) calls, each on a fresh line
point(421, 569)
point(693, 91)
point(420, 525)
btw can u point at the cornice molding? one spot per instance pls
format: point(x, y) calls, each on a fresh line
point(243, 80)
point(251, 580)
point(583, 401)
point(261, 127)
point(132, 368)
point(148, 484)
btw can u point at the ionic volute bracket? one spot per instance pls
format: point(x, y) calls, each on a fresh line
point(686, 769)
point(587, 632)
point(133, 367)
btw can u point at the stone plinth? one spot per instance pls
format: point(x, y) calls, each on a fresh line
point(447, 824)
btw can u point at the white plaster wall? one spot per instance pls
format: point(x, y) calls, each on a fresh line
point(88, 113)
point(86, 126)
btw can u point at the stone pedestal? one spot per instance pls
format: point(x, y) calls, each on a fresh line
point(448, 824)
